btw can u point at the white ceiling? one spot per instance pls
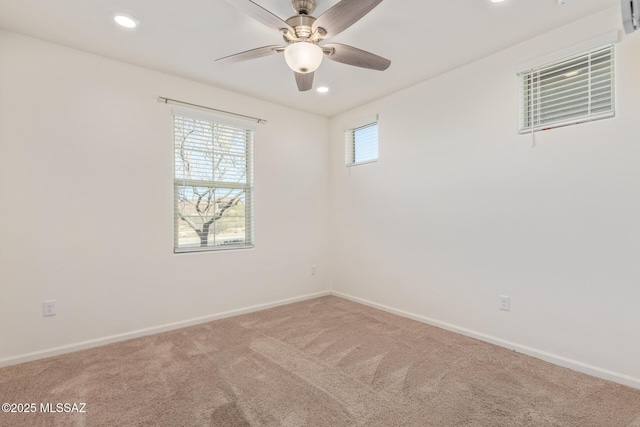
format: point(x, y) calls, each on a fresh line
point(421, 38)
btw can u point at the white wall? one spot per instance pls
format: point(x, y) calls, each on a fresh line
point(460, 208)
point(86, 197)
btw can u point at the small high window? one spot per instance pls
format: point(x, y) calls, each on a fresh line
point(573, 90)
point(361, 144)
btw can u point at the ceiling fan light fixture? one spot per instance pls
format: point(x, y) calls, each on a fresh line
point(303, 57)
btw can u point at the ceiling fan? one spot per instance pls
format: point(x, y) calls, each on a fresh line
point(303, 34)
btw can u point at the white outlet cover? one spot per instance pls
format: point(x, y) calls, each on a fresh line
point(49, 308)
point(505, 302)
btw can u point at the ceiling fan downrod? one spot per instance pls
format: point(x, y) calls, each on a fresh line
point(304, 7)
point(302, 23)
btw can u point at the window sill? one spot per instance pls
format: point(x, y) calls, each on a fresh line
point(361, 163)
point(180, 251)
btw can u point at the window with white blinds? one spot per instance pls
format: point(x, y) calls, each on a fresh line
point(573, 90)
point(213, 184)
point(361, 144)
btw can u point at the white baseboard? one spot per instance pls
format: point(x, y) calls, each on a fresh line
point(27, 357)
point(539, 354)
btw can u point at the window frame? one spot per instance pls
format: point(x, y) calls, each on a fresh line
point(248, 186)
point(535, 85)
point(350, 141)
point(587, 48)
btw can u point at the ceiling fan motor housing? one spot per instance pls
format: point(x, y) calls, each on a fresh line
point(302, 25)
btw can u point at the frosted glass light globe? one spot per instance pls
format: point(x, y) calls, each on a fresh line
point(303, 57)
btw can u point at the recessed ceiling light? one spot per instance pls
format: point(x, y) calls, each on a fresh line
point(497, 1)
point(126, 21)
point(323, 89)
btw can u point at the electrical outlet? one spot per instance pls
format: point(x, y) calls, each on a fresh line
point(313, 270)
point(49, 308)
point(505, 302)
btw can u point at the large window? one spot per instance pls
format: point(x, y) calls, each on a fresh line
point(213, 184)
point(573, 90)
point(361, 144)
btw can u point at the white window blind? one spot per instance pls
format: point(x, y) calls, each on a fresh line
point(573, 90)
point(361, 144)
point(213, 184)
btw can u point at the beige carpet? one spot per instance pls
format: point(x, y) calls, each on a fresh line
point(323, 362)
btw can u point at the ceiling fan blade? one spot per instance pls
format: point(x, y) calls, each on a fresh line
point(258, 52)
point(353, 56)
point(304, 81)
point(342, 15)
point(261, 14)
